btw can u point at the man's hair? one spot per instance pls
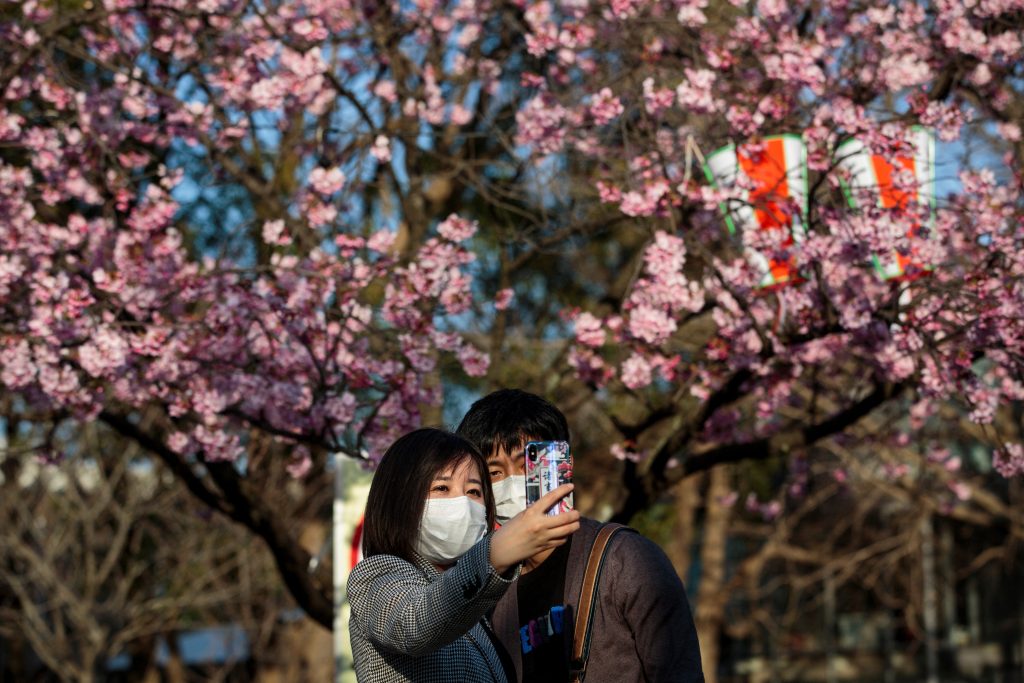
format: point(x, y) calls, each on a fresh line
point(401, 484)
point(508, 418)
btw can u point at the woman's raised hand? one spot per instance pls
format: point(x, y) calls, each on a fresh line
point(533, 531)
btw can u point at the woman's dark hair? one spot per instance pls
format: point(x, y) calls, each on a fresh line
point(508, 418)
point(400, 486)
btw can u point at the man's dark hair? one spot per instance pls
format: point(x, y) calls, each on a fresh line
point(401, 484)
point(508, 418)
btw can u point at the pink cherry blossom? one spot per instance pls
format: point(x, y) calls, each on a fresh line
point(691, 13)
point(697, 91)
point(503, 299)
point(381, 149)
point(300, 464)
point(456, 229)
point(1009, 460)
point(473, 361)
point(590, 330)
point(656, 99)
point(636, 372)
point(651, 324)
point(627, 451)
point(326, 181)
point(961, 490)
point(540, 125)
point(274, 232)
point(606, 107)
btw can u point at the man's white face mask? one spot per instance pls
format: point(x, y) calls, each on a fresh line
point(509, 497)
point(449, 527)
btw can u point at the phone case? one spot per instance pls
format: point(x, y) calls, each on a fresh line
point(548, 466)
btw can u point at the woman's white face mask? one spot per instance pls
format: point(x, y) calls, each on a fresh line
point(449, 527)
point(509, 497)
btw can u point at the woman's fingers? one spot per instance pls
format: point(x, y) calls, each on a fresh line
point(548, 500)
point(564, 530)
point(539, 522)
point(567, 522)
point(567, 517)
point(558, 527)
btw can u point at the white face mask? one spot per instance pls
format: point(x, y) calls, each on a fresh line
point(450, 527)
point(509, 497)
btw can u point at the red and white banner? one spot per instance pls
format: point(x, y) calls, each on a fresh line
point(872, 179)
point(773, 172)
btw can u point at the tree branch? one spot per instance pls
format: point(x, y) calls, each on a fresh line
point(236, 500)
point(785, 441)
point(646, 489)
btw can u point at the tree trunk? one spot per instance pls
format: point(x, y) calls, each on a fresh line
point(432, 412)
point(829, 603)
point(687, 501)
point(930, 610)
point(152, 674)
point(711, 601)
point(175, 671)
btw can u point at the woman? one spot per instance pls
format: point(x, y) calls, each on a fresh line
point(417, 614)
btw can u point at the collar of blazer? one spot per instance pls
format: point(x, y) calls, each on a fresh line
point(427, 566)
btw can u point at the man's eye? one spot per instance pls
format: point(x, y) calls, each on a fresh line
point(497, 474)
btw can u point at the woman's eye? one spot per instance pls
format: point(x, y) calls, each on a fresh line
point(477, 493)
point(440, 488)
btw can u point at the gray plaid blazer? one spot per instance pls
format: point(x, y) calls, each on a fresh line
point(412, 623)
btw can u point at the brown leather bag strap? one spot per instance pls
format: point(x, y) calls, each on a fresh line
point(588, 594)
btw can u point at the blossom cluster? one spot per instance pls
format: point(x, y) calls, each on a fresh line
point(948, 326)
point(102, 315)
point(320, 331)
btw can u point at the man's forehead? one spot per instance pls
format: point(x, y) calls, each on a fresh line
point(500, 452)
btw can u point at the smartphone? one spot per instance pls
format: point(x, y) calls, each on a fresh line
point(548, 466)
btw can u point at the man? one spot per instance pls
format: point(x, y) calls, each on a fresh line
point(642, 629)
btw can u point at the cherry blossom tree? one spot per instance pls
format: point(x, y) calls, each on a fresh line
point(640, 92)
point(228, 224)
point(287, 316)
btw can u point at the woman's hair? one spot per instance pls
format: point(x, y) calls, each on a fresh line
point(401, 485)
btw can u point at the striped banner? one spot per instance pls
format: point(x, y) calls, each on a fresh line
point(775, 170)
point(871, 180)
